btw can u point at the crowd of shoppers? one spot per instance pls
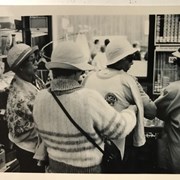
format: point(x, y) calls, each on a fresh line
point(107, 103)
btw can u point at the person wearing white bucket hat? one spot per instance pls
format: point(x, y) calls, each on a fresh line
point(69, 151)
point(168, 110)
point(68, 56)
point(22, 91)
point(121, 89)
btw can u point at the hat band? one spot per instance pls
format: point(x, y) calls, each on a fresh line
point(22, 56)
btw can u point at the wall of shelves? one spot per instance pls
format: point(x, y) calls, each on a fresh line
point(164, 70)
point(165, 41)
point(167, 29)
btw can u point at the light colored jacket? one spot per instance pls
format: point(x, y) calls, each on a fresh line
point(120, 90)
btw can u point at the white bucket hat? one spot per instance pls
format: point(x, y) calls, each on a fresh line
point(18, 53)
point(68, 55)
point(117, 50)
point(176, 53)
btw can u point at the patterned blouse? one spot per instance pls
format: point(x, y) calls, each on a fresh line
point(19, 109)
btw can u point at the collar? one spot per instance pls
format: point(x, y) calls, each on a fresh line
point(108, 73)
point(64, 85)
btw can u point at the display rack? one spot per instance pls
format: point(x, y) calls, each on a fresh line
point(167, 29)
point(166, 41)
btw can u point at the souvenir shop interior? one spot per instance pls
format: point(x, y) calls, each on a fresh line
point(154, 36)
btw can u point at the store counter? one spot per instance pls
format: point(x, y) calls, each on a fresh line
point(153, 128)
point(144, 159)
point(148, 154)
point(11, 163)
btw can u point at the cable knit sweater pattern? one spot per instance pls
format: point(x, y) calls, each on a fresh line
point(87, 107)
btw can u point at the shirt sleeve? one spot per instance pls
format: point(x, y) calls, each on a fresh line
point(149, 105)
point(164, 102)
point(108, 121)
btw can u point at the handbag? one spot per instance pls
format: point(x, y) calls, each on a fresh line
point(111, 160)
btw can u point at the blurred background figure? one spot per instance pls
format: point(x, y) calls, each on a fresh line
point(100, 60)
point(137, 54)
point(95, 49)
point(106, 42)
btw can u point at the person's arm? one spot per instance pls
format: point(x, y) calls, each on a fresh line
point(108, 121)
point(164, 102)
point(149, 106)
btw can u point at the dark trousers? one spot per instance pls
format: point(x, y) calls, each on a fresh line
point(60, 167)
point(26, 161)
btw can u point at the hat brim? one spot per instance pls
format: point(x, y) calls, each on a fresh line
point(80, 66)
point(23, 57)
point(120, 57)
point(176, 54)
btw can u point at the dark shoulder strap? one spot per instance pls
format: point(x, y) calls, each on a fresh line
point(75, 124)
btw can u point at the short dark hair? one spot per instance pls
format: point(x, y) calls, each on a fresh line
point(121, 61)
point(102, 48)
point(96, 41)
point(63, 72)
point(113, 66)
point(106, 42)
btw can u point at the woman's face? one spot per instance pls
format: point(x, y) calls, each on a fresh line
point(125, 64)
point(29, 66)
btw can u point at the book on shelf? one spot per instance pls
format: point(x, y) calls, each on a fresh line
point(167, 29)
point(164, 71)
point(179, 32)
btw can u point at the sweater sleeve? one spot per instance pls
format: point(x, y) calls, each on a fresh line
point(107, 120)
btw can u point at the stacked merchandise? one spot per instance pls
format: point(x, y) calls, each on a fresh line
point(164, 70)
point(167, 29)
point(167, 40)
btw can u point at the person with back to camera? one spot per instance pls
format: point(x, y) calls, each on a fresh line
point(168, 110)
point(121, 89)
point(22, 91)
point(68, 149)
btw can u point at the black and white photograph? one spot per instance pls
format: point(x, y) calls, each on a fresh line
point(90, 93)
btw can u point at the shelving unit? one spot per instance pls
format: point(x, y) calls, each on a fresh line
point(166, 40)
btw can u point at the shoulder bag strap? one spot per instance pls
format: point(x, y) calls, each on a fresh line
point(75, 124)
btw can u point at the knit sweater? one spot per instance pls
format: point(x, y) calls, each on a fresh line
point(87, 107)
